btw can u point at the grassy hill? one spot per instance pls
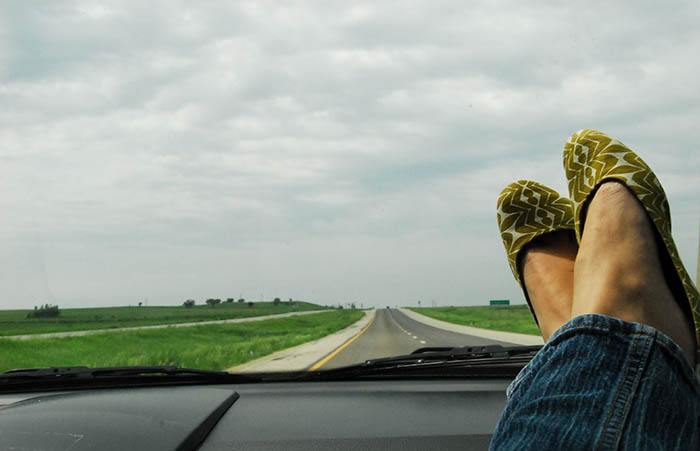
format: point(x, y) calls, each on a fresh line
point(216, 346)
point(15, 322)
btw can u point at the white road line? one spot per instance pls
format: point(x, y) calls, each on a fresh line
point(422, 342)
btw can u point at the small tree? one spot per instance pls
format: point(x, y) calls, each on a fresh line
point(250, 304)
point(241, 300)
point(188, 303)
point(213, 302)
point(276, 302)
point(229, 300)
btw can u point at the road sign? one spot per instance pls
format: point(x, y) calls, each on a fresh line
point(499, 302)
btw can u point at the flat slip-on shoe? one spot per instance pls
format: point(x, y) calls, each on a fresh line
point(526, 211)
point(591, 158)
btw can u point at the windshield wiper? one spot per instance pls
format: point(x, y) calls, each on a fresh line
point(464, 353)
point(468, 361)
point(72, 376)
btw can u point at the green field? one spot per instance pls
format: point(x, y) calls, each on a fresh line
point(516, 318)
point(15, 322)
point(216, 346)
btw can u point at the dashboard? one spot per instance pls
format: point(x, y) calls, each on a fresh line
point(359, 415)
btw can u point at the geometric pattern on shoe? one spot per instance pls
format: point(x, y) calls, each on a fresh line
point(591, 157)
point(526, 210)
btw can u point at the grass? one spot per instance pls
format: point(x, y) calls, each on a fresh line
point(216, 346)
point(15, 322)
point(516, 318)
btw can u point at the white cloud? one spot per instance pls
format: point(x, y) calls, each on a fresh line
point(355, 148)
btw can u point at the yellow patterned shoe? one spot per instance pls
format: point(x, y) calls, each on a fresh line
point(592, 157)
point(528, 210)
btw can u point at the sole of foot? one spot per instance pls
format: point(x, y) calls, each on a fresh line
point(548, 275)
point(618, 270)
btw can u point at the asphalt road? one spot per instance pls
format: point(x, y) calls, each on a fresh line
point(393, 333)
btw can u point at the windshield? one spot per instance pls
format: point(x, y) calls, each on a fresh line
point(304, 187)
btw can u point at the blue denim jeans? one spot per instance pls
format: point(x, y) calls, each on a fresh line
point(603, 383)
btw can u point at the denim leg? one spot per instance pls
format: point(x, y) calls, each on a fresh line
point(602, 383)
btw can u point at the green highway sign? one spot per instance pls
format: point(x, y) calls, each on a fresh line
point(499, 302)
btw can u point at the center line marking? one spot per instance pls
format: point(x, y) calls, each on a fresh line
point(422, 342)
point(325, 360)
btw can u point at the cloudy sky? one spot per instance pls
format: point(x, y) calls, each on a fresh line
point(330, 151)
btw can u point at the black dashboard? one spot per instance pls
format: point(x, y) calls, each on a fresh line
point(368, 415)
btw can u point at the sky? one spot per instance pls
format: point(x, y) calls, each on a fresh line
point(326, 151)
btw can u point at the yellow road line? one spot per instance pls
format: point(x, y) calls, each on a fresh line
point(325, 360)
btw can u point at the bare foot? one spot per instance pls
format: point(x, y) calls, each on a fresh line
point(548, 274)
point(618, 272)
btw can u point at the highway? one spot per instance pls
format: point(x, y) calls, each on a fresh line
point(393, 333)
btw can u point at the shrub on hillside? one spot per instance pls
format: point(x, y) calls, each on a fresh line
point(44, 311)
point(188, 303)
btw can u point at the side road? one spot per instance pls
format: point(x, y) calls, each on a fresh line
point(305, 355)
point(80, 333)
point(510, 337)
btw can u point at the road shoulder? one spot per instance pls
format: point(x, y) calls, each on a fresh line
point(510, 337)
point(303, 356)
